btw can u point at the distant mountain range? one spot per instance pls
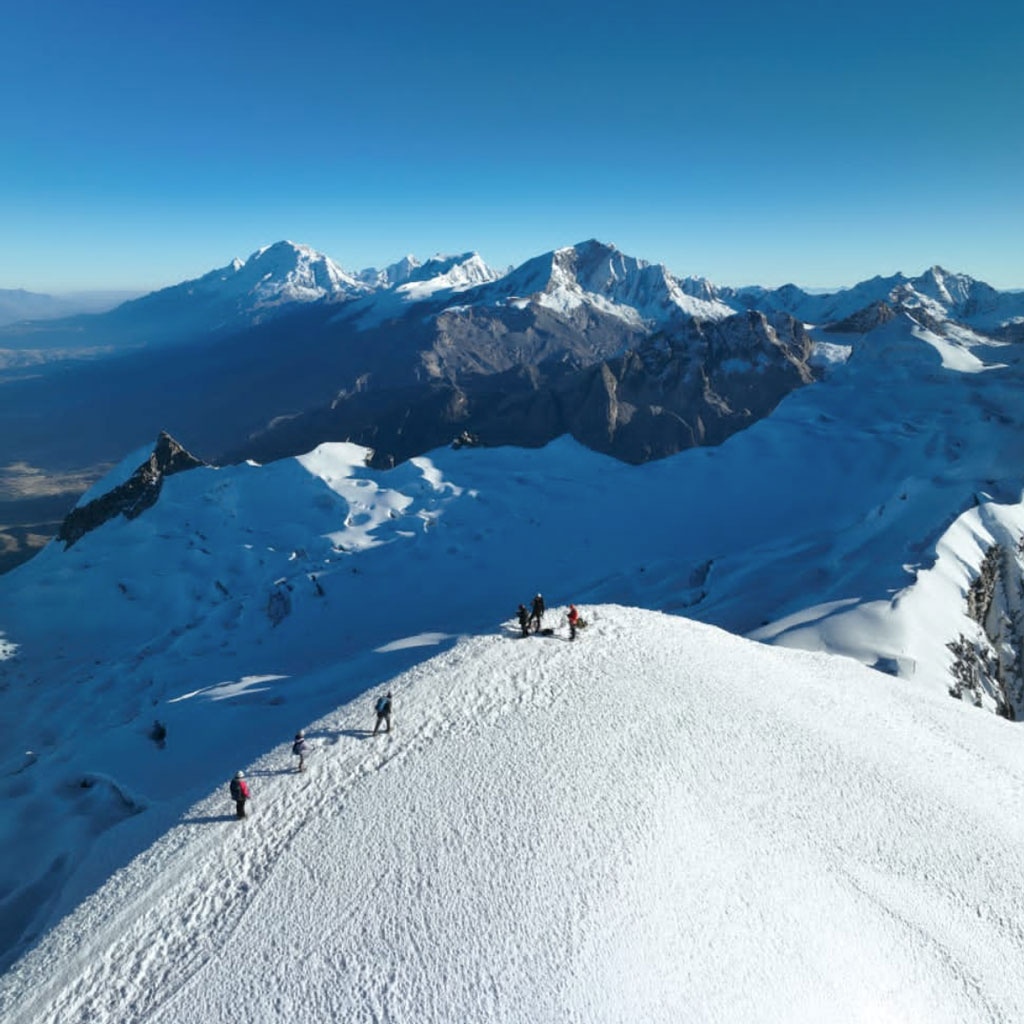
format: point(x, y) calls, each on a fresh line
point(280, 279)
point(268, 357)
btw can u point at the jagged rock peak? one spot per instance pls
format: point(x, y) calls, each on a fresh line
point(170, 457)
point(131, 498)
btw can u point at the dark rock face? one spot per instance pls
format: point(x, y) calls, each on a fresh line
point(697, 388)
point(1013, 332)
point(880, 313)
point(476, 341)
point(664, 394)
point(864, 320)
point(134, 496)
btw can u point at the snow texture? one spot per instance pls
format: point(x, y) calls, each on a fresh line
point(659, 822)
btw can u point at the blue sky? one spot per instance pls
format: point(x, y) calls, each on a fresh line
point(749, 142)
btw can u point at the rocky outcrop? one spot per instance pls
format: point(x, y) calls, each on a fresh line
point(696, 388)
point(134, 496)
point(864, 320)
point(662, 395)
point(990, 666)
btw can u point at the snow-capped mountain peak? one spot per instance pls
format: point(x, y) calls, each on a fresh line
point(466, 270)
point(943, 294)
point(390, 276)
point(288, 272)
point(440, 272)
point(272, 280)
point(948, 288)
point(598, 275)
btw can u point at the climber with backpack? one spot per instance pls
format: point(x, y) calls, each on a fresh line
point(524, 619)
point(574, 618)
point(299, 749)
point(537, 612)
point(239, 793)
point(383, 709)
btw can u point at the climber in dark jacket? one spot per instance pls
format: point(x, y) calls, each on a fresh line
point(299, 748)
point(524, 619)
point(239, 793)
point(538, 612)
point(383, 709)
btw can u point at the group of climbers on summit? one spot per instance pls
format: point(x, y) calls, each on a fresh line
point(531, 618)
point(531, 621)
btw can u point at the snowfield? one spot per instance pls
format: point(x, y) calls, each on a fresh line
point(661, 821)
point(658, 822)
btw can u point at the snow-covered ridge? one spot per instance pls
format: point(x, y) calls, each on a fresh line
point(418, 280)
point(938, 292)
point(407, 282)
point(262, 588)
point(656, 819)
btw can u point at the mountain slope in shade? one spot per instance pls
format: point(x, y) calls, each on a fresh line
point(663, 394)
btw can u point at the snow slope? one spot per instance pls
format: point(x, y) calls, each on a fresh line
point(250, 600)
point(660, 822)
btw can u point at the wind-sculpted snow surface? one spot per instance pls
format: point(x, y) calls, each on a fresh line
point(659, 822)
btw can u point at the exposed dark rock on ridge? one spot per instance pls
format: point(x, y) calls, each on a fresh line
point(134, 496)
point(663, 394)
point(697, 388)
point(864, 320)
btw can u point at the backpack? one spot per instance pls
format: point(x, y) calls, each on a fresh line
point(298, 746)
point(236, 790)
point(383, 705)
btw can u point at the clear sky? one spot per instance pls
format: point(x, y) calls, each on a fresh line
point(142, 143)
